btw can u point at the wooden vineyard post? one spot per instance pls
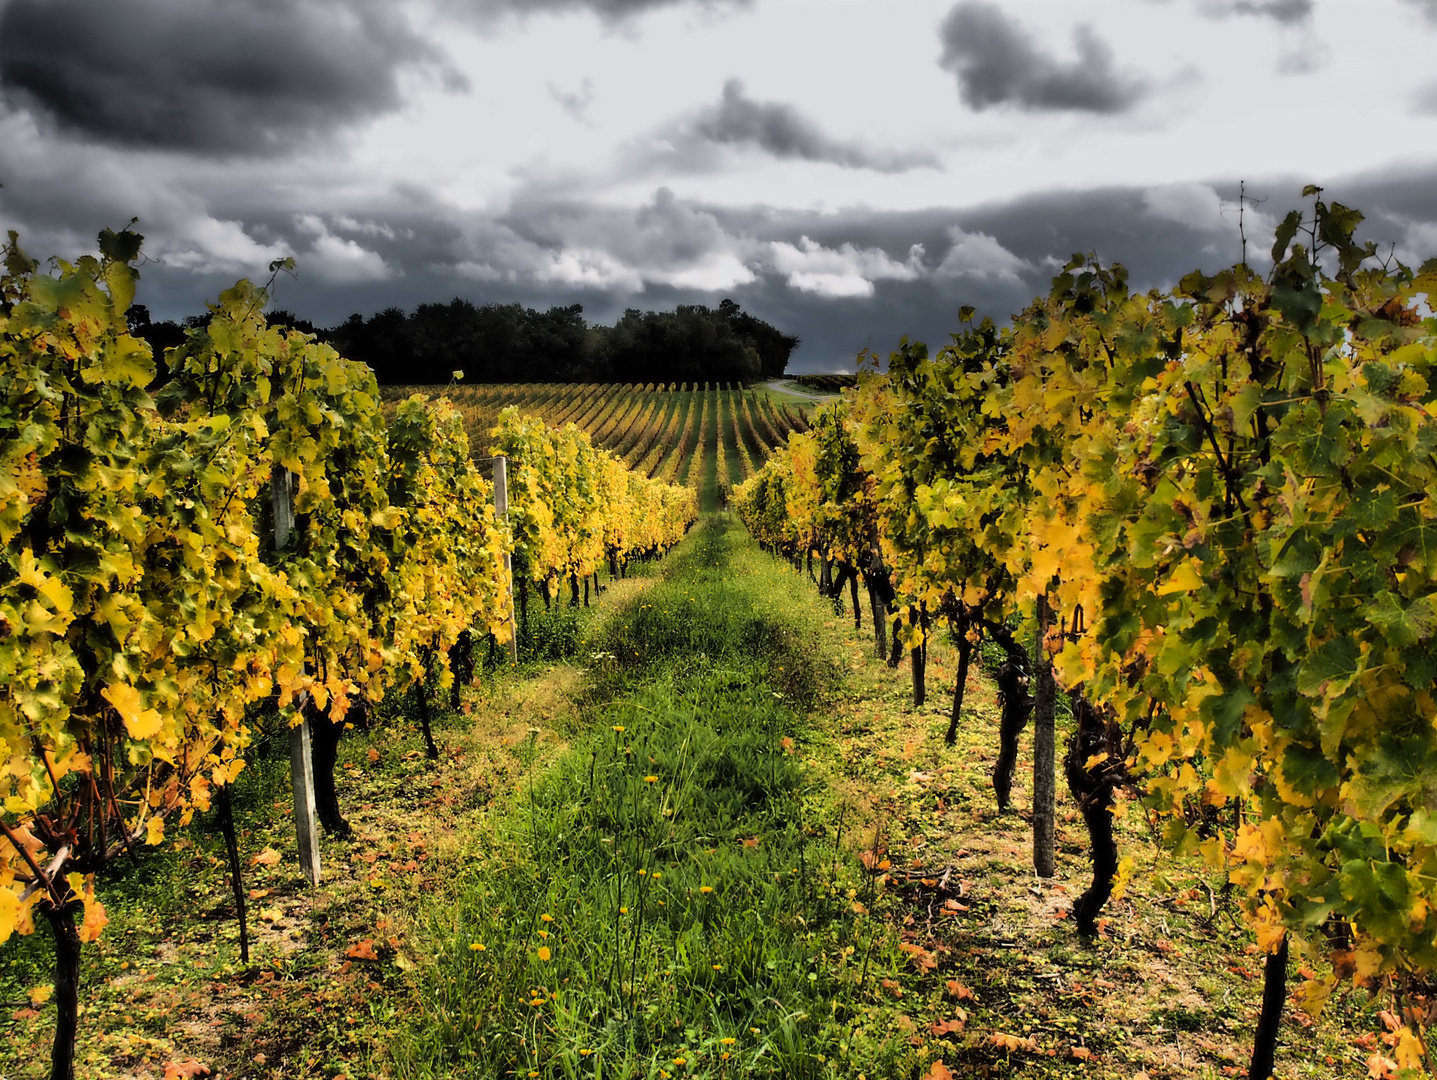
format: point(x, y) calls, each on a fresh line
point(1044, 751)
point(501, 511)
point(301, 770)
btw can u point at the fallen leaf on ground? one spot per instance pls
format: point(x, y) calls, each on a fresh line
point(268, 857)
point(922, 958)
point(180, 1070)
point(1011, 1042)
point(958, 990)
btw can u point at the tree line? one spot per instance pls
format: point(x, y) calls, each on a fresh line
point(514, 343)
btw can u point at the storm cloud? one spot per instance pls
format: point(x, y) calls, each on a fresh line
point(784, 132)
point(1283, 11)
point(997, 63)
point(600, 157)
point(610, 11)
point(207, 76)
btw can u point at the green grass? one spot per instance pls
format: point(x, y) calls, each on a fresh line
point(679, 864)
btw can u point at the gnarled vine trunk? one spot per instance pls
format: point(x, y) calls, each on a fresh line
point(225, 817)
point(1274, 1000)
point(1016, 704)
point(67, 989)
point(965, 655)
point(1096, 740)
point(324, 736)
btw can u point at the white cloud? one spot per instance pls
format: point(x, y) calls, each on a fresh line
point(207, 245)
point(475, 271)
point(1197, 206)
point(979, 255)
point(337, 260)
point(590, 268)
point(1419, 242)
point(841, 272)
point(1200, 208)
point(717, 271)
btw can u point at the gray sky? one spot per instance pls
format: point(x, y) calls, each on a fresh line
point(851, 171)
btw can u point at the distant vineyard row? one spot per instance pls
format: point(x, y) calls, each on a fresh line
point(654, 429)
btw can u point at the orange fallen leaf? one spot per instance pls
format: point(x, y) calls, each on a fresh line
point(1011, 1042)
point(373, 755)
point(268, 857)
point(362, 950)
point(947, 1027)
point(182, 1070)
point(938, 1071)
point(958, 990)
point(922, 958)
point(1379, 1067)
point(1080, 1053)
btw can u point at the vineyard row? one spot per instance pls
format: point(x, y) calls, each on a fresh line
point(1209, 517)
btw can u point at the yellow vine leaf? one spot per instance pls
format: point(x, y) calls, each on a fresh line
point(139, 723)
point(1183, 579)
point(95, 918)
point(1312, 996)
point(9, 914)
point(1409, 1050)
point(1121, 879)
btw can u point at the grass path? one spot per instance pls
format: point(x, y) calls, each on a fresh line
point(670, 899)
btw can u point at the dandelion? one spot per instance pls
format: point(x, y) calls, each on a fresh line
point(650, 779)
point(585, 1053)
point(543, 933)
point(706, 888)
point(544, 953)
point(619, 728)
point(477, 946)
point(724, 1055)
point(623, 911)
point(681, 1061)
point(718, 967)
point(658, 874)
point(728, 1042)
point(547, 918)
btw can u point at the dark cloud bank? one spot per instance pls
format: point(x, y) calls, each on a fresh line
point(426, 246)
point(997, 63)
point(784, 132)
point(609, 11)
point(205, 76)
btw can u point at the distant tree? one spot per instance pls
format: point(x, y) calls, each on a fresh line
point(160, 335)
point(772, 345)
point(512, 343)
